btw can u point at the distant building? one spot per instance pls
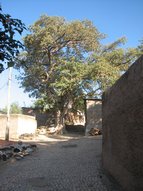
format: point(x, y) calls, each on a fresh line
point(93, 114)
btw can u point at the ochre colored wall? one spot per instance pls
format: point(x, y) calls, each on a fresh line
point(123, 129)
point(93, 114)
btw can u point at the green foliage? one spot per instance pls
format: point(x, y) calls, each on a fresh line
point(9, 46)
point(70, 75)
point(107, 65)
point(140, 47)
point(56, 51)
point(14, 109)
point(65, 62)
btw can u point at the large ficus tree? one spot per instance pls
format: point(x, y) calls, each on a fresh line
point(55, 53)
point(64, 62)
point(9, 46)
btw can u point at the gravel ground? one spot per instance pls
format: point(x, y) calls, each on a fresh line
point(61, 164)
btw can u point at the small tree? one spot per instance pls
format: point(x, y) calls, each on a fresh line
point(14, 109)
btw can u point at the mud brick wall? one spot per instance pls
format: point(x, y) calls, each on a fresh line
point(123, 129)
point(93, 114)
point(19, 124)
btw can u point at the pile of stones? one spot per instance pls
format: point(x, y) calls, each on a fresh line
point(17, 151)
point(44, 130)
point(27, 136)
point(95, 131)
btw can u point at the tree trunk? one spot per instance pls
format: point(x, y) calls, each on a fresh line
point(59, 122)
point(60, 117)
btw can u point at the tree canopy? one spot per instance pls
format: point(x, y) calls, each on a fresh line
point(9, 46)
point(54, 45)
point(66, 62)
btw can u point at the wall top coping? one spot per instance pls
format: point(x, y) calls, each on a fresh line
point(17, 115)
point(94, 99)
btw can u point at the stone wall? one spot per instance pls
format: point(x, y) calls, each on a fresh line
point(123, 129)
point(19, 124)
point(93, 114)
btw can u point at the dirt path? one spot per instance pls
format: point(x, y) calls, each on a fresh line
point(62, 164)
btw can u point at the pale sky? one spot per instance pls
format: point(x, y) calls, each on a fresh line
point(114, 18)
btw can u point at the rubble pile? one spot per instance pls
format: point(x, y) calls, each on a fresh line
point(27, 136)
point(44, 130)
point(18, 151)
point(95, 131)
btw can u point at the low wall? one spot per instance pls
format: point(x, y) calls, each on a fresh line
point(93, 114)
point(19, 124)
point(39, 116)
point(123, 129)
